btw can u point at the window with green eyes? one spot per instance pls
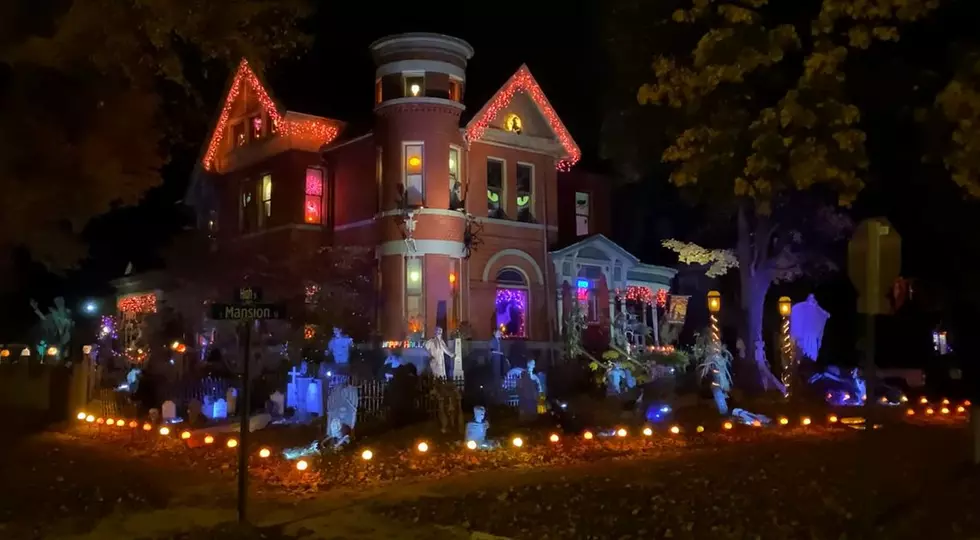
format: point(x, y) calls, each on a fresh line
point(495, 188)
point(525, 187)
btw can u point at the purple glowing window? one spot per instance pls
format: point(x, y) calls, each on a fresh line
point(511, 312)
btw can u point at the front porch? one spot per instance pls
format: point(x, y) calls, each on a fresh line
point(609, 282)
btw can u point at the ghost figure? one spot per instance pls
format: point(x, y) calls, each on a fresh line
point(807, 321)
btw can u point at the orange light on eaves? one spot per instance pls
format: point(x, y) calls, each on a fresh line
point(313, 129)
point(523, 82)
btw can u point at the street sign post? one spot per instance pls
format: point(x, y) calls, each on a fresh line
point(246, 310)
point(874, 259)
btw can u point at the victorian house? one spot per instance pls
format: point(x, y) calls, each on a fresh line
point(467, 209)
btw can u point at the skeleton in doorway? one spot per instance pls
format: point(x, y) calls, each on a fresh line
point(448, 405)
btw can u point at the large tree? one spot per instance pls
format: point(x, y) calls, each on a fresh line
point(92, 98)
point(761, 116)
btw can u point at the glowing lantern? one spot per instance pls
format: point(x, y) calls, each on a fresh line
point(910, 412)
point(471, 445)
point(806, 421)
point(967, 403)
point(147, 427)
point(208, 439)
point(728, 425)
point(961, 409)
point(100, 421)
point(756, 423)
point(621, 432)
point(945, 401)
point(517, 442)
point(647, 431)
point(700, 429)
point(714, 301)
point(452, 278)
point(5, 353)
point(185, 435)
point(930, 411)
point(110, 421)
point(133, 424)
point(554, 437)
point(785, 306)
point(164, 431)
point(52, 351)
point(121, 423)
point(783, 420)
point(588, 435)
point(302, 465)
point(944, 410)
point(265, 452)
point(923, 400)
point(423, 447)
point(904, 398)
point(833, 419)
point(90, 419)
point(81, 416)
point(367, 455)
point(232, 443)
point(675, 430)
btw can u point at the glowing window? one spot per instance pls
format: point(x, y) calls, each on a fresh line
point(495, 188)
point(455, 186)
point(525, 187)
point(414, 173)
point(266, 199)
point(414, 85)
point(313, 202)
point(511, 304)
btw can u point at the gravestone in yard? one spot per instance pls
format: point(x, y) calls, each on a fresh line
point(168, 410)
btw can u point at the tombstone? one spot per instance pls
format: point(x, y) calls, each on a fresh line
point(342, 407)
point(807, 321)
point(297, 391)
point(194, 411)
point(278, 401)
point(314, 397)
point(527, 398)
point(168, 410)
point(231, 397)
point(208, 407)
point(154, 416)
point(219, 409)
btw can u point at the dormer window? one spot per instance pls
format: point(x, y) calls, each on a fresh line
point(414, 84)
point(238, 133)
point(256, 128)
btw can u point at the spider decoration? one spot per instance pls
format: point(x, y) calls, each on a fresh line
point(471, 235)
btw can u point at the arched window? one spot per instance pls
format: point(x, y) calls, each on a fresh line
point(511, 303)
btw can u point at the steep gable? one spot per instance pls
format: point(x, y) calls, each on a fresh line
point(246, 85)
point(522, 92)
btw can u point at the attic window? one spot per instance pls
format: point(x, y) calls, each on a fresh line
point(238, 133)
point(256, 126)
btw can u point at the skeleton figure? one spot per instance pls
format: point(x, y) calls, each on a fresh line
point(448, 405)
point(410, 230)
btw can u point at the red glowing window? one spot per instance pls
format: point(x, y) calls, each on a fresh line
point(313, 202)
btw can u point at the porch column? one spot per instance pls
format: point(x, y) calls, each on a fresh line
point(561, 307)
point(656, 323)
point(612, 313)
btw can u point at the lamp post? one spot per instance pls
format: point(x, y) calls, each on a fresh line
point(719, 393)
point(789, 363)
point(714, 306)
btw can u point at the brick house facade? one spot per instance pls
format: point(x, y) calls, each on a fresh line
point(463, 216)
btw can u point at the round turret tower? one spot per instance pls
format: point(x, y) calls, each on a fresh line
point(419, 85)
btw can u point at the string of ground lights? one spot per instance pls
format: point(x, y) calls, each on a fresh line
point(944, 408)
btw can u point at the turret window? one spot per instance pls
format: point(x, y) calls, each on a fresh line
point(495, 188)
point(414, 84)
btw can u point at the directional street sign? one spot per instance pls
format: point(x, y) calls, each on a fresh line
point(247, 312)
point(874, 259)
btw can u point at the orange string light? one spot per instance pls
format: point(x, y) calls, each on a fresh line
point(523, 81)
point(315, 129)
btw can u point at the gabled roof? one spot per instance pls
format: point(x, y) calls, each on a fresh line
point(523, 81)
point(282, 121)
point(600, 241)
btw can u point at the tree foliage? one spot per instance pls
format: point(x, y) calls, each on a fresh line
point(92, 94)
point(959, 104)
